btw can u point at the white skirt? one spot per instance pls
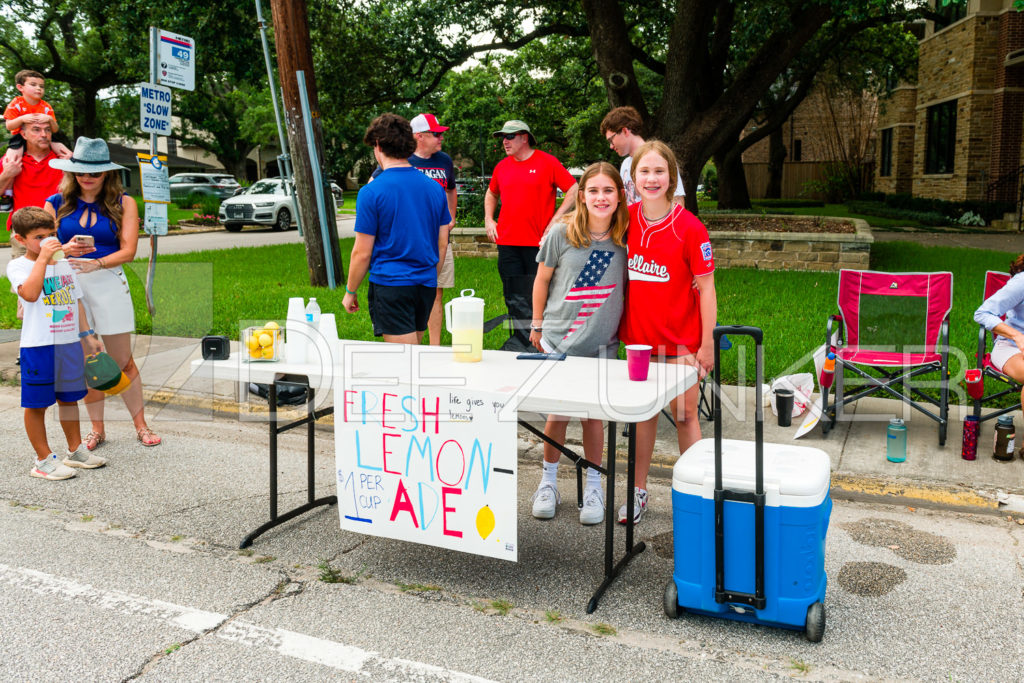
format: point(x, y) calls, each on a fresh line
point(108, 301)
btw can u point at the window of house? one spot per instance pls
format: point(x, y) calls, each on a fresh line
point(797, 150)
point(948, 11)
point(940, 152)
point(885, 156)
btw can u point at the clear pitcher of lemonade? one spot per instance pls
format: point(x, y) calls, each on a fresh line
point(464, 317)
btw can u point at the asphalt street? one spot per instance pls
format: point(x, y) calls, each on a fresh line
point(133, 571)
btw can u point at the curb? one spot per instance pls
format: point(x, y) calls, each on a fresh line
point(856, 487)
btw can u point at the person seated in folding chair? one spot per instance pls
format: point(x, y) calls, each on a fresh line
point(1003, 314)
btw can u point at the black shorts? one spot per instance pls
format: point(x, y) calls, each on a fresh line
point(400, 310)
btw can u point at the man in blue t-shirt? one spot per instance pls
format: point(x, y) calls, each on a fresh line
point(433, 163)
point(398, 237)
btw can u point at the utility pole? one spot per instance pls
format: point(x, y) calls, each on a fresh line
point(291, 35)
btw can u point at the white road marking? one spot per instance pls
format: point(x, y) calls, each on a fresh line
point(286, 643)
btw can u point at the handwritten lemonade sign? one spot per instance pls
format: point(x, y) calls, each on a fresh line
point(432, 466)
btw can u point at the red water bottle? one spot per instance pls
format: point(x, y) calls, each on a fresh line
point(828, 371)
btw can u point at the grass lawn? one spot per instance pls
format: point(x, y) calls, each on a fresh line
point(220, 292)
point(174, 213)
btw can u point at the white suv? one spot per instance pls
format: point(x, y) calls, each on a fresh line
point(265, 202)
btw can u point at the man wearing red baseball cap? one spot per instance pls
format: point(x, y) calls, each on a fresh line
point(434, 163)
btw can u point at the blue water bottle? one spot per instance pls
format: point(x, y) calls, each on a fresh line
point(896, 441)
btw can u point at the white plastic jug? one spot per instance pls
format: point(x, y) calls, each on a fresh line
point(464, 317)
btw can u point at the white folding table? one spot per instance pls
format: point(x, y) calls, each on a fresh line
point(579, 387)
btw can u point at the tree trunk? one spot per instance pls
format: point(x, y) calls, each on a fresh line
point(689, 169)
point(776, 163)
point(732, 182)
point(608, 28)
point(90, 118)
point(236, 167)
point(86, 122)
point(291, 34)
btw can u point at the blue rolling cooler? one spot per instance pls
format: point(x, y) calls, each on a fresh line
point(749, 524)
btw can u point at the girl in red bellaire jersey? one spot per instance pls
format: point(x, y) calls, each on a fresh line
point(670, 296)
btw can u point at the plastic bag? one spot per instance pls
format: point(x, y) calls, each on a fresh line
point(802, 385)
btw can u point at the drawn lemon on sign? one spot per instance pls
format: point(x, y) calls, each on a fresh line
point(485, 521)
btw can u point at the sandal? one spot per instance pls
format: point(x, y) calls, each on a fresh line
point(93, 440)
point(147, 437)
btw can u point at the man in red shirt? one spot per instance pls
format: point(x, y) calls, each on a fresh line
point(32, 178)
point(525, 181)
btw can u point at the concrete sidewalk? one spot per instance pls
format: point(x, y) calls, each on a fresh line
point(931, 475)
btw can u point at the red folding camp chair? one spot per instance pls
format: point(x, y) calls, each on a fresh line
point(897, 327)
point(994, 281)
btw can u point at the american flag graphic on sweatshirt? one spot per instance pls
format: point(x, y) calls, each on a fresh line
point(586, 289)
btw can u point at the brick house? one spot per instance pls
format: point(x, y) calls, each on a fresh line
point(823, 129)
point(956, 134)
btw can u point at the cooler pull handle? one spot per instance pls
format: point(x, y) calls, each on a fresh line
point(757, 498)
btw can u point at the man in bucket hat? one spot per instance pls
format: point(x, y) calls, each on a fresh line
point(526, 181)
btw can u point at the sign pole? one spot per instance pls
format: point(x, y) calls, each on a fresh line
point(153, 78)
point(318, 179)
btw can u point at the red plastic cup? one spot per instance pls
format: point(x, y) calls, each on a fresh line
point(638, 361)
point(975, 383)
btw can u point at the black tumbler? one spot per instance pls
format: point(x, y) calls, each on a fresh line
point(784, 406)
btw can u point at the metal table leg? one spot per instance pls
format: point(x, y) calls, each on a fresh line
point(611, 569)
point(312, 415)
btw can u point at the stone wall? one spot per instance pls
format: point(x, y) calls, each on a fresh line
point(764, 250)
point(825, 251)
point(472, 242)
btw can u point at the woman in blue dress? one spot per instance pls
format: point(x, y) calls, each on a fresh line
point(92, 202)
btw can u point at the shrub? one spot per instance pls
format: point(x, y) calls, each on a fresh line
point(789, 203)
point(709, 178)
point(988, 211)
point(208, 204)
point(203, 203)
point(204, 219)
point(932, 218)
point(470, 211)
point(971, 218)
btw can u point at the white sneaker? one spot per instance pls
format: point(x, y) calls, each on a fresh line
point(51, 469)
point(639, 506)
point(592, 511)
point(545, 500)
point(83, 459)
